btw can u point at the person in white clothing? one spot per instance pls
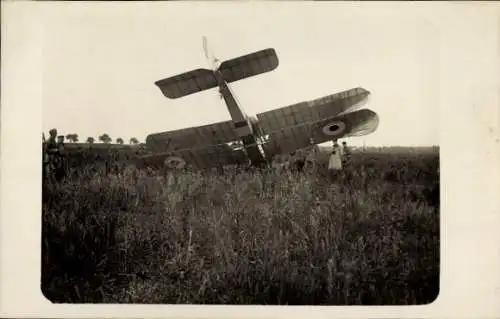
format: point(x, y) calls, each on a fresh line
point(335, 161)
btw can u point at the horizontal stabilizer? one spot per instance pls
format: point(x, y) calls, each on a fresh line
point(187, 83)
point(249, 65)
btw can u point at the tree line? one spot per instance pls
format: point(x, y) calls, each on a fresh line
point(104, 138)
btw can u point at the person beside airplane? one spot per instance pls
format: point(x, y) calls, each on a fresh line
point(339, 157)
point(346, 153)
point(310, 160)
point(335, 160)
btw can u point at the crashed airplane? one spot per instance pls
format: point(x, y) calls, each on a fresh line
point(253, 140)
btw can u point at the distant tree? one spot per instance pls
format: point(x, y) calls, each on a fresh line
point(134, 141)
point(90, 140)
point(72, 138)
point(119, 140)
point(105, 138)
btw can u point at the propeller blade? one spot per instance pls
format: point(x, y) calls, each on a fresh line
point(205, 47)
point(209, 55)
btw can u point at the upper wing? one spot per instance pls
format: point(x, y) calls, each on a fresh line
point(296, 137)
point(311, 111)
point(192, 137)
point(200, 157)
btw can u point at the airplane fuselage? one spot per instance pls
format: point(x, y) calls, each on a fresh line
point(242, 123)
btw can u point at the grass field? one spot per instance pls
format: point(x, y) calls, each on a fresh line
point(369, 237)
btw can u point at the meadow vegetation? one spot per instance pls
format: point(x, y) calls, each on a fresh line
point(116, 234)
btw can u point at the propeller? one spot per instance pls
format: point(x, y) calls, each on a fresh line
point(213, 62)
point(209, 55)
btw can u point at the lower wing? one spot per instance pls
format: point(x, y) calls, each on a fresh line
point(199, 157)
point(192, 137)
point(290, 139)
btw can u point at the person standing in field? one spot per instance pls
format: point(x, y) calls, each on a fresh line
point(337, 148)
point(60, 145)
point(50, 153)
point(54, 160)
point(310, 158)
point(60, 167)
point(335, 160)
point(51, 146)
point(346, 161)
point(346, 153)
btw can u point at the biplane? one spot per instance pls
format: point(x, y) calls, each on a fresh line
point(253, 140)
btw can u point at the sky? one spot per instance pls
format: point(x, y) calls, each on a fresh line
point(101, 61)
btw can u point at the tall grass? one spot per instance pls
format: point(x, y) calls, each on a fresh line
point(370, 236)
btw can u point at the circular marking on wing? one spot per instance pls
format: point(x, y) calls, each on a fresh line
point(174, 162)
point(334, 128)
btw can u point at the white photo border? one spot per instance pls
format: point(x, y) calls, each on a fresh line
point(469, 37)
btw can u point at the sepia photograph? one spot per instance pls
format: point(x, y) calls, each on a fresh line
point(261, 157)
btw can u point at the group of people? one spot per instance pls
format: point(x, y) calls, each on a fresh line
point(53, 155)
point(339, 157)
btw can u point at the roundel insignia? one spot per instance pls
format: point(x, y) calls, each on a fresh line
point(175, 162)
point(334, 128)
